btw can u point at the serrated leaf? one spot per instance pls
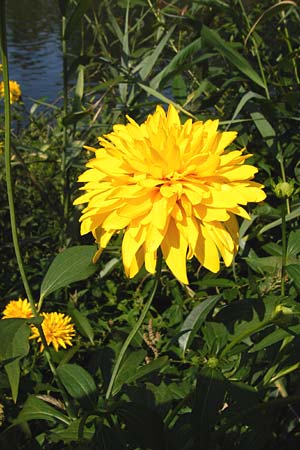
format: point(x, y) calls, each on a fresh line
point(194, 321)
point(73, 264)
point(78, 383)
point(36, 409)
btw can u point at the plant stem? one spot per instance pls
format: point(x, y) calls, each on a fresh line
point(10, 195)
point(256, 51)
point(134, 329)
point(284, 246)
point(64, 171)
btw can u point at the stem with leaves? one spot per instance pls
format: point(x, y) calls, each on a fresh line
point(11, 204)
point(134, 329)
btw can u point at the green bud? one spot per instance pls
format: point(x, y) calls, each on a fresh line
point(284, 189)
point(283, 315)
point(212, 362)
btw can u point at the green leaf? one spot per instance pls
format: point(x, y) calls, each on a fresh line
point(79, 384)
point(278, 222)
point(73, 264)
point(177, 62)
point(264, 127)
point(274, 337)
point(36, 409)
point(129, 368)
point(293, 271)
point(194, 321)
point(149, 61)
point(293, 246)
point(246, 97)
point(164, 99)
point(74, 432)
point(214, 40)
point(77, 14)
point(79, 89)
point(140, 372)
point(14, 335)
point(81, 322)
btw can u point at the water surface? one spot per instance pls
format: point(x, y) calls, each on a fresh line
point(34, 49)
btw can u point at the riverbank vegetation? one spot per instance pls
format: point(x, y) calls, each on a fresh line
point(126, 350)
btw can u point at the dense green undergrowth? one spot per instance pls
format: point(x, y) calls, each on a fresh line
point(215, 364)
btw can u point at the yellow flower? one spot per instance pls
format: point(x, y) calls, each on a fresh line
point(168, 185)
point(18, 309)
point(14, 91)
point(57, 329)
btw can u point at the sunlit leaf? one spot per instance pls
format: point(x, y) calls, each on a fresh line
point(73, 264)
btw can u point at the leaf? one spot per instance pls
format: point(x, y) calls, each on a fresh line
point(74, 432)
point(73, 264)
point(81, 322)
point(264, 127)
point(277, 222)
point(246, 97)
point(293, 246)
point(149, 61)
point(140, 372)
point(293, 271)
point(177, 62)
point(274, 337)
point(78, 383)
point(129, 368)
point(77, 14)
point(225, 49)
point(79, 89)
point(194, 321)
point(14, 335)
point(36, 409)
point(164, 99)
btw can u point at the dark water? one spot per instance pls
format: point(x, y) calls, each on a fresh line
point(34, 48)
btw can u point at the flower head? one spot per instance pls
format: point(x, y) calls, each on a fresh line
point(168, 185)
point(57, 328)
point(17, 309)
point(14, 91)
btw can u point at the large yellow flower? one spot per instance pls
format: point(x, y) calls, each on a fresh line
point(168, 185)
point(14, 91)
point(18, 309)
point(57, 329)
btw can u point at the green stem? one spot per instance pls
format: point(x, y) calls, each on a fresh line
point(284, 246)
point(10, 195)
point(261, 68)
point(243, 336)
point(64, 171)
point(134, 330)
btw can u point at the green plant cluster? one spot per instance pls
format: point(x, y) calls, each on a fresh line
point(215, 365)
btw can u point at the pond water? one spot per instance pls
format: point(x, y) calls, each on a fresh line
point(34, 48)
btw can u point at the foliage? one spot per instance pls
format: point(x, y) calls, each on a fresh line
point(215, 364)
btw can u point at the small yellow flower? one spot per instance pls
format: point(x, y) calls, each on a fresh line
point(57, 329)
point(14, 91)
point(168, 185)
point(18, 309)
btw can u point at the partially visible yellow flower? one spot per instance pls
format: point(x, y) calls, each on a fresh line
point(18, 309)
point(57, 329)
point(14, 91)
point(168, 185)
